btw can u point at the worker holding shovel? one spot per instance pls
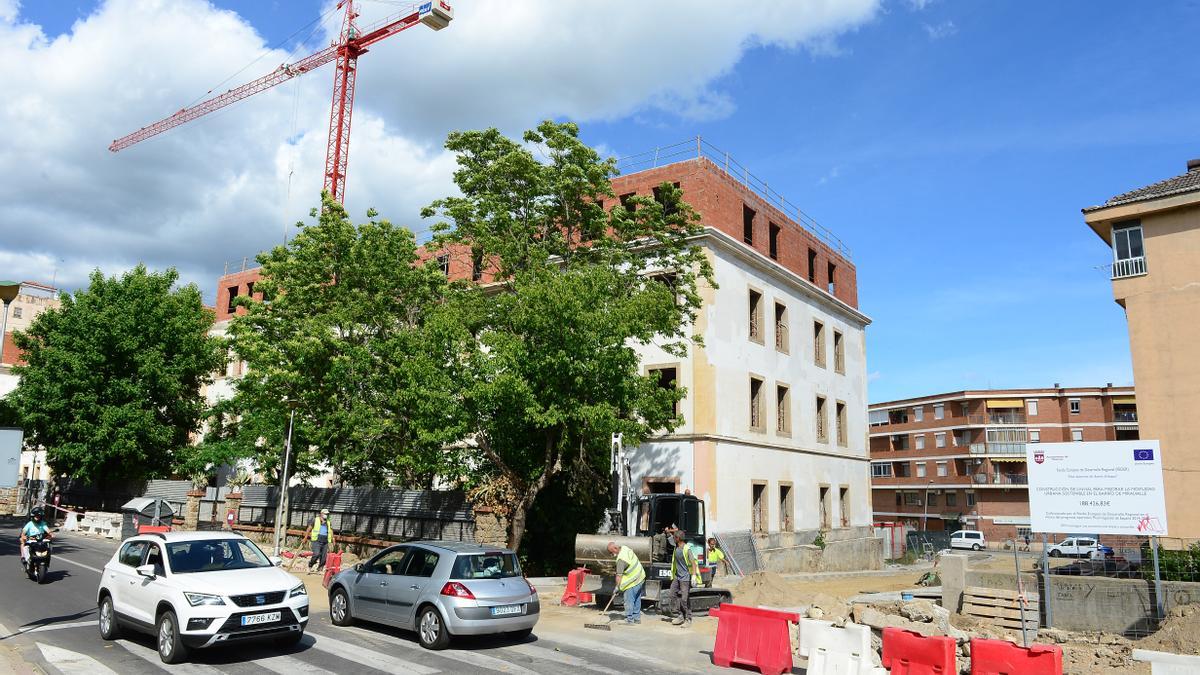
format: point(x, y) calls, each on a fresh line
point(631, 580)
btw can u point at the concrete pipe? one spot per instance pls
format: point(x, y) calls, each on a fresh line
point(591, 551)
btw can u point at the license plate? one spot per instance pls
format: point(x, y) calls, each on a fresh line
point(255, 619)
point(506, 610)
point(664, 574)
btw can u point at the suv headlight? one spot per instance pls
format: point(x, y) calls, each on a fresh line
point(298, 591)
point(198, 599)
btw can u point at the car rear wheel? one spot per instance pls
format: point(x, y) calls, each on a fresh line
point(109, 630)
point(1054, 553)
point(339, 608)
point(170, 644)
point(431, 631)
point(976, 547)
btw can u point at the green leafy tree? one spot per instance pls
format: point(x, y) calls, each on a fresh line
point(356, 338)
point(551, 370)
point(112, 384)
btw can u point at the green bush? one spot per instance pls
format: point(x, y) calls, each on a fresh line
point(1181, 565)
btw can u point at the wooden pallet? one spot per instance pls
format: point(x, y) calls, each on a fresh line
point(1001, 607)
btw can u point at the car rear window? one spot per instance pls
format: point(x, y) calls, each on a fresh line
point(496, 565)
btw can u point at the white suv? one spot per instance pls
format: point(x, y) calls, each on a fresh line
point(196, 589)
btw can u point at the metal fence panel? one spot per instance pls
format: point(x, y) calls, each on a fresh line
point(740, 546)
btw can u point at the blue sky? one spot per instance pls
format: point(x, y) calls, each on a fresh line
point(950, 144)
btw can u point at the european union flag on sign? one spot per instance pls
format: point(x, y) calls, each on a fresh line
point(1143, 454)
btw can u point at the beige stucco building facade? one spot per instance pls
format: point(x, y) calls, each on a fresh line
point(1155, 235)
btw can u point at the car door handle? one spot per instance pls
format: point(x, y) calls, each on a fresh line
point(383, 583)
point(414, 587)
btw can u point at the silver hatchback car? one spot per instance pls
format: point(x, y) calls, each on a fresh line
point(438, 589)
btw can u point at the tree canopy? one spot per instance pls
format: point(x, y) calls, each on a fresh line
point(354, 335)
point(576, 282)
point(112, 384)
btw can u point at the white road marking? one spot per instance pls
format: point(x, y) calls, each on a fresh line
point(470, 658)
point(59, 558)
point(284, 665)
point(366, 657)
point(151, 656)
point(607, 648)
point(559, 657)
point(72, 663)
point(58, 626)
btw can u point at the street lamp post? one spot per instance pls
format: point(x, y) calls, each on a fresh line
point(925, 515)
point(8, 292)
point(281, 503)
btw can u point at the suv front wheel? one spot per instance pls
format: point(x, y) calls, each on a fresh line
point(109, 630)
point(170, 643)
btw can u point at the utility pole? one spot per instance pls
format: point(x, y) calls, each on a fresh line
point(281, 505)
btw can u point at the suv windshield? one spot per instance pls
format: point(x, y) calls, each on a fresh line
point(486, 566)
point(209, 555)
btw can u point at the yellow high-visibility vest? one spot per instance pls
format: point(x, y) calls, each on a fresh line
point(634, 573)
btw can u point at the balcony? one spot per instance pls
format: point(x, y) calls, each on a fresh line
point(997, 448)
point(1007, 417)
point(999, 478)
point(1129, 267)
point(1125, 416)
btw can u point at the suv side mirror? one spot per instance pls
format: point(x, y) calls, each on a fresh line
point(146, 571)
point(360, 568)
point(276, 560)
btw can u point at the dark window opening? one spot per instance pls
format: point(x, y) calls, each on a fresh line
point(812, 266)
point(667, 378)
point(444, 264)
point(250, 290)
point(476, 265)
point(756, 421)
point(233, 293)
point(669, 209)
point(759, 507)
point(747, 224)
point(627, 201)
point(832, 287)
point(773, 242)
point(660, 487)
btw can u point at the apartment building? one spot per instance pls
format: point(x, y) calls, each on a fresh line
point(1154, 233)
point(957, 460)
point(775, 427)
point(32, 299)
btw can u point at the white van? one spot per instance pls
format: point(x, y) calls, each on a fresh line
point(968, 539)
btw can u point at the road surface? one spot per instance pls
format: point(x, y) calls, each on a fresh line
point(53, 626)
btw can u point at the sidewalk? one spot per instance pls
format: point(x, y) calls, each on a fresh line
point(11, 663)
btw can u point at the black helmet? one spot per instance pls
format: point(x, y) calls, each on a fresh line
point(37, 513)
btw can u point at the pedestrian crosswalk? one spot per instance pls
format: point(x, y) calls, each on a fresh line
point(342, 650)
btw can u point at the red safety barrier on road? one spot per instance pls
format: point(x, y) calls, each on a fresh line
point(1001, 657)
point(333, 565)
point(749, 636)
point(909, 653)
point(152, 529)
point(572, 596)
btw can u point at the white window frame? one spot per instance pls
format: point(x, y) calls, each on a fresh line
point(939, 439)
point(1126, 230)
point(939, 411)
point(1031, 407)
point(884, 469)
point(919, 442)
point(970, 498)
point(921, 469)
point(919, 414)
point(1074, 405)
point(942, 468)
point(1035, 435)
point(1077, 435)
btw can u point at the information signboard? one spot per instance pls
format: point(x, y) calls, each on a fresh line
point(1105, 487)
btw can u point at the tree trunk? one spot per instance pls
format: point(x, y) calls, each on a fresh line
point(516, 524)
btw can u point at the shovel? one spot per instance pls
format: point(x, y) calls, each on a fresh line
point(608, 619)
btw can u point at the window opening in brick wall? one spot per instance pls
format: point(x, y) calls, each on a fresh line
point(951, 499)
point(943, 468)
point(668, 209)
point(476, 265)
point(1035, 435)
point(832, 287)
point(881, 470)
point(1077, 435)
point(919, 414)
point(920, 469)
point(756, 420)
point(785, 507)
point(1074, 406)
point(783, 409)
point(773, 241)
point(939, 411)
point(933, 499)
point(781, 327)
point(444, 264)
point(919, 441)
point(233, 293)
point(822, 430)
point(812, 266)
point(819, 343)
point(250, 290)
point(939, 440)
point(1031, 407)
point(970, 499)
point(747, 224)
point(758, 506)
point(756, 316)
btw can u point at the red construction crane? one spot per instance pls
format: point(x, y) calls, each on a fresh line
point(352, 43)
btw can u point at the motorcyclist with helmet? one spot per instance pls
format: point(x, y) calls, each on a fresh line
point(36, 526)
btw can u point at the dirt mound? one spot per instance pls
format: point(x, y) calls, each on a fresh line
point(766, 588)
point(1179, 633)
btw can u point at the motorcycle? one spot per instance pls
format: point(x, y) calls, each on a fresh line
point(38, 561)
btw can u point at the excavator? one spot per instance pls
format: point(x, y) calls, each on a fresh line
point(640, 521)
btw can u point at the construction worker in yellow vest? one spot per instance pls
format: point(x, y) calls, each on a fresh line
point(685, 573)
point(321, 535)
point(631, 580)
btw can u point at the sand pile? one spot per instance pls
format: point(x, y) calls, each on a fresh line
point(1178, 634)
point(766, 588)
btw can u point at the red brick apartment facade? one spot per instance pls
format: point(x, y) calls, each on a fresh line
point(723, 202)
point(957, 460)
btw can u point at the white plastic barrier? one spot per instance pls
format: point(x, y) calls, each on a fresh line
point(71, 522)
point(837, 651)
point(1166, 663)
point(101, 523)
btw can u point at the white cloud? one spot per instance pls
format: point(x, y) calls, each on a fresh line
point(940, 30)
point(217, 189)
point(919, 5)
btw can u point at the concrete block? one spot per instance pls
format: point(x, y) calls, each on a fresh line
point(953, 573)
point(869, 616)
point(1166, 663)
point(836, 651)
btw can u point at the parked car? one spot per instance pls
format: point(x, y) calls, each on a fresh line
point(439, 589)
point(198, 589)
point(968, 539)
point(1074, 547)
